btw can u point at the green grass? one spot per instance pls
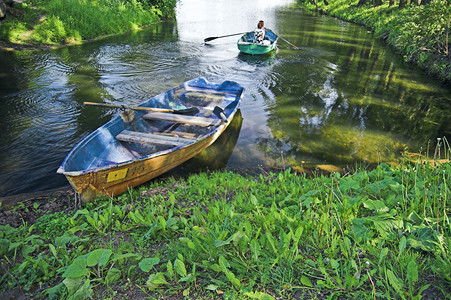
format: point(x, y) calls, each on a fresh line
point(56, 22)
point(421, 34)
point(381, 233)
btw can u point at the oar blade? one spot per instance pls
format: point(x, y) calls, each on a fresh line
point(210, 38)
point(187, 111)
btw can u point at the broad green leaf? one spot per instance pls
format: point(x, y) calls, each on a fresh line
point(212, 287)
point(334, 264)
point(4, 246)
point(376, 205)
point(215, 267)
point(155, 280)
point(99, 257)
point(112, 276)
point(272, 242)
point(169, 268)
point(66, 239)
point(189, 243)
point(76, 269)
point(382, 255)
point(395, 282)
point(179, 267)
point(72, 284)
point(402, 245)
point(162, 222)
point(259, 296)
point(219, 243)
point(13, 246)
point(125, 255)
point(254, 200)
point(188, 279)
point(354, 265)
point(235, 281)
point(306, 281)
point(147, 263)
point(80, 212)
point(83, 292)
point(255, 249)
point(27, 249)
point(53, 250)
point(224, 263)
point(412, 272)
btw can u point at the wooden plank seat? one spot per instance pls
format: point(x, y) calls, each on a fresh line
point(151, 138)
point(190, 120)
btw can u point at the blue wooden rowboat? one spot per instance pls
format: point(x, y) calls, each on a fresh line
point(139, 145)
point(247, 45)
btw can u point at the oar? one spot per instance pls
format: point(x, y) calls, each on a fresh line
point(185, 111)
point(220, 113)
point(295, 47)
point(217, 37)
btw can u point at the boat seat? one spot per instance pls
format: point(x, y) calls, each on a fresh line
point(190, 120)
point(151, 138)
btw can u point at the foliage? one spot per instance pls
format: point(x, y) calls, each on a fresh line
point(71, 21)
point(421, 33)
point(381, 233)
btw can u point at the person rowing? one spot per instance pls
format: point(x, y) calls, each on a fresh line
point(259, 32)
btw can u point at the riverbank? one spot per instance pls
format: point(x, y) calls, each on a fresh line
point(381, 233)
point(420, 33)
point(39, 24)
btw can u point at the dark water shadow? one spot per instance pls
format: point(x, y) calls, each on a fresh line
point(214, 157)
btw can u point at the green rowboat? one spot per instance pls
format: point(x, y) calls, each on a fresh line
point(246, 43)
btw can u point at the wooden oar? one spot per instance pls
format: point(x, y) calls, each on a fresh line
point(295, 47)
point(217, 37)
point(185, 111)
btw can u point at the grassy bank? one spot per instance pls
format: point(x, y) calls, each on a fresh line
point(368, 234)
point(420, 33)
point(56, 22)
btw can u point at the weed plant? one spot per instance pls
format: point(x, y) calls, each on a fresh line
point(69, 21)
point(368, 234)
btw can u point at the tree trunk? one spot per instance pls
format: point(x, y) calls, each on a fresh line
point(377, 2)
point(391, 3)
point(402, 4)
point(361, 2)
point(416, 2)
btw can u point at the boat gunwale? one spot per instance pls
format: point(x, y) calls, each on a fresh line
point(238, 96)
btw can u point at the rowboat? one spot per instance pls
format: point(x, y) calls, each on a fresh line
point(141, 144)
point(247, 45)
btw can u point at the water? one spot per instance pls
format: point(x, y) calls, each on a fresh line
point(343, 98)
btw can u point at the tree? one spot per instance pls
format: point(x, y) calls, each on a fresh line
point(402, 4)
point(361, 2)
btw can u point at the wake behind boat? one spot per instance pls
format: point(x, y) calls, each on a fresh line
point(140, 145)
point(247, 44)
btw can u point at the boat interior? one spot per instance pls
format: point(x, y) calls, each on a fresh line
point(135, 133)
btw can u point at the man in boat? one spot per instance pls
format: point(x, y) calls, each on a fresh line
point(259, 32)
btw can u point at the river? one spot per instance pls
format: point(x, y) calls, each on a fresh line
point(342, 98)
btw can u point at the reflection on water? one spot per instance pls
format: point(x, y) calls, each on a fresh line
point(217, 155)
point(343, 97)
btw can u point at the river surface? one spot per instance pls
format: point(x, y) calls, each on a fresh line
point(342, 98)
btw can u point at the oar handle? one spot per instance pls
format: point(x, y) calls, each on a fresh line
point(217, 37)
point(128, 107)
